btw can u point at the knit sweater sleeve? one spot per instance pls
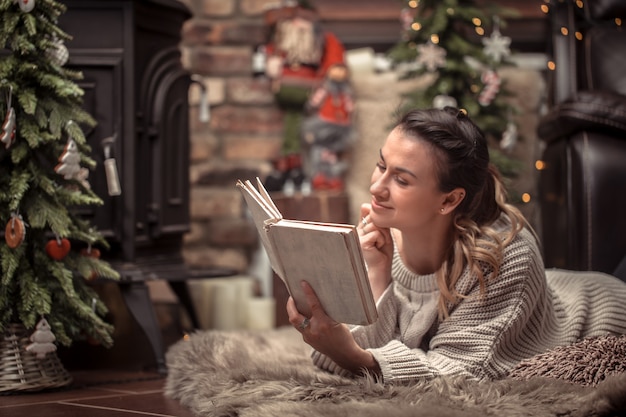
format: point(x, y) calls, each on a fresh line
point(482, 337)
point(487, 335)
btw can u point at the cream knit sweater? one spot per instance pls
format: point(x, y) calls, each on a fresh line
point(526, 310)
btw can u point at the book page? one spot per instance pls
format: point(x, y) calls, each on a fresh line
point(328, 227)
point(262, 200)
point(262, 215)
point(266, 197)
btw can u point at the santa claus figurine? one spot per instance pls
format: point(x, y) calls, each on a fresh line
point(327, 132)
point(298, 56)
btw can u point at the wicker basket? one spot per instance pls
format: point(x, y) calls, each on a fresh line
point(22, 371)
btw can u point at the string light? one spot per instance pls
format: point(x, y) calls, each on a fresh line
point(545, 8)
point(434, 38)
point(579, 3)
point(618, 21)
point(526, 198)
point(579, 36)
point(413, 4)
point(416, 26)
point(477, 22)
point(540, 165)
point(551, 65)
point(564, 31)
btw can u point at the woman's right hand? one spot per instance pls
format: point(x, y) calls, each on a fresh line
point(377, 247)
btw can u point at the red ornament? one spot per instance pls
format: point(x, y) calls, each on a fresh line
point(58, 249)
point(91, 253)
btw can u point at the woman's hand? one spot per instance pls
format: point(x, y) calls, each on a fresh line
point(377, 247)
point(329, 337)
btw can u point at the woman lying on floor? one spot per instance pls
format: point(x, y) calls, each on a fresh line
point(456, 271)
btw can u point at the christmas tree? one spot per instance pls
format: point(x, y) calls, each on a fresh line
point(49, 252)
point(448, 39)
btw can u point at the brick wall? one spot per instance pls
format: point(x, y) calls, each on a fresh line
point(245, 129)
point(242, 136)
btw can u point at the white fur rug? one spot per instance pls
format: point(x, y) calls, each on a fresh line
point(263, 374)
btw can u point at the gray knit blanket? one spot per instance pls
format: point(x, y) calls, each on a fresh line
point(263, 374)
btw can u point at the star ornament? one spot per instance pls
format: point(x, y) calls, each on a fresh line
point(497, 46)
point(431, 56)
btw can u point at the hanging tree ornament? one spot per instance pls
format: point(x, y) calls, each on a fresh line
point(43, 340)
point(442, 100)
point(58, 248)
point(407, 16)
point(69, 161)
point(58, 53)
point(25, 5)
point(91, 253)
point(492, 81)
point(15, 231)
point(497, 46)
point(431, 56)
point(509, 137)
point(8, 126)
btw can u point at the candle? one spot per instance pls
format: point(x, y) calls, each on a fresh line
point(261, 313)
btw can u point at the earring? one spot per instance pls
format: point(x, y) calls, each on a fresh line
point(441, 209)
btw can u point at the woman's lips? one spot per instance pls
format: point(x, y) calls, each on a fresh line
point(376, 206)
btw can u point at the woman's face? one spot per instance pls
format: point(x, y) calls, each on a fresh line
point(405, 193)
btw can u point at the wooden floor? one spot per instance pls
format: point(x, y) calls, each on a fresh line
point(96, 394)
point(121, 381)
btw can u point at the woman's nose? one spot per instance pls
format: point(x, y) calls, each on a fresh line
point(378, 187)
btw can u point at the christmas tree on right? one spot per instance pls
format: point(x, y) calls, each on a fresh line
point(461, 46)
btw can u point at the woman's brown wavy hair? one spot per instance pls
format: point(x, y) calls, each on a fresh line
point(462, 161)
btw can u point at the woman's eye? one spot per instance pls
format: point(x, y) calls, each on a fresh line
point(381, 167)
point(400, 180)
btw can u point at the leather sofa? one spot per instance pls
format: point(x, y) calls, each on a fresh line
point(582, 188)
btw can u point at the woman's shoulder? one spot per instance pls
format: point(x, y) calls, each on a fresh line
point(526, 237)
point(521, 257)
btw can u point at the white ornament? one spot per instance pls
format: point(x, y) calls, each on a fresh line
point(69, 162)
point(58, 53)
point(26, 5)
point(7, 133)
point(440, 101)
point(509, 137)
point(431, 56)
point(43, 340)
point(497, 46)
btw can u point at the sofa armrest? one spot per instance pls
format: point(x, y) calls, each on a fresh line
point(599, 111)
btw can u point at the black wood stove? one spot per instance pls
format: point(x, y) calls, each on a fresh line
point(136, 88)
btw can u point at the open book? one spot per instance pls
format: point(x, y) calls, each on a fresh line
point(326, 255)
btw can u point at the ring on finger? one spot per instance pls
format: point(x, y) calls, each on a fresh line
point(305, 323)
point(364, 221)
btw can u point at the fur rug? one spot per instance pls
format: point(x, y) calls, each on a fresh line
point(263, 374)
point(588, 362)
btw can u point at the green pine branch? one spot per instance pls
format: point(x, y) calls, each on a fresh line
point(48, 106)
